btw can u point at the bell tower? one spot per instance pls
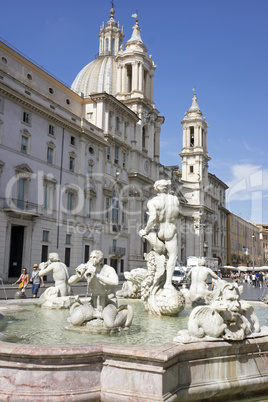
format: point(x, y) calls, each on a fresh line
point(135, 69)
point(194, 150)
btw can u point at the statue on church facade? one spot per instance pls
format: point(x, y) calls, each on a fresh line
point(159, 294)
point(101, 313)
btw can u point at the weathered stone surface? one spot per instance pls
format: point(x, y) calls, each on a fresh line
point(170, 372)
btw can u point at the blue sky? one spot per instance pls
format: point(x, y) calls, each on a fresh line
point(218, 47)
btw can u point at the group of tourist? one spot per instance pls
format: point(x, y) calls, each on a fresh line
point(254, 278)
point(35, 280)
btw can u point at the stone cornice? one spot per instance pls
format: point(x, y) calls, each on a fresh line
point(35, 107)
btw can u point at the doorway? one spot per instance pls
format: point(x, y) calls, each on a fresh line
point(113, 263)
point(16, 249)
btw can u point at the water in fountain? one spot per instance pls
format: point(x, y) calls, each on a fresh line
point(43, 326)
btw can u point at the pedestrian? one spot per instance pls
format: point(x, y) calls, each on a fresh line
point(253, 277)
point(24, 280)
point(257, 279)
point(36, 280)
point(261, 279)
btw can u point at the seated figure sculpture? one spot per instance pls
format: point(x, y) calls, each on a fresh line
point(198, 291)
point(159, 294)
point(58, 296)
point(102, 311)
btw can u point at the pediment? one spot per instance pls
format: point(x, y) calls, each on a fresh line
point(23, 168)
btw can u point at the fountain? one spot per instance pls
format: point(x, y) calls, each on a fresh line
point(222, 354)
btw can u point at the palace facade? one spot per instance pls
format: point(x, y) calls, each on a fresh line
point(77, 165)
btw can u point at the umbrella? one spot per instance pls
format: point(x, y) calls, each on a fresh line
point(229, 267)
point(242, 268)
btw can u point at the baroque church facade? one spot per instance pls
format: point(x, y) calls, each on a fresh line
point(77, 165)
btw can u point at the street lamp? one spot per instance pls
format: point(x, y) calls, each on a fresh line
point(253, 237)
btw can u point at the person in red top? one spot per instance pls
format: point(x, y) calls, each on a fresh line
point(24, 278)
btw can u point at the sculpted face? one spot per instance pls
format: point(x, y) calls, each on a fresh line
point(231, 298)
point(96, 257)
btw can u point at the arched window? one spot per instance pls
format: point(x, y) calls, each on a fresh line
point(113, 46)
point(107, 46)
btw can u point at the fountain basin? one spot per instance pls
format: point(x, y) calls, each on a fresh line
point(122, 372)
point(105, 372)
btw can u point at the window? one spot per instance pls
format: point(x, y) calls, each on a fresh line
point(108, 153)
point(67, 258)
point(113, 46)
point(44, 254)
point(49, 155)
point(71, 164)
point(51, 130)
point(123, 214)
point(70, 202)
point(107, 208)
point(117, 123)
point(125, 129)
point(72, 140)
point(89, 116)
point(115, 207)
point(91, 150)
point(24, 144)
point(90, 170)
point(88, 206)
point(87, 253)
point(110, 119)
point(107, 46)
point(191, 136)
point(121, 266)
point(26, 117)
point(21, 192)
point(116, 154)
point(191, 169)
point(47, 196)
point(68, 239)
point(124, 159)
point(45, 236)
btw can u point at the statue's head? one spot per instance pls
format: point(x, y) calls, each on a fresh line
point(201, 262)
point(96, 256)
point(53, 257)
point(161, 186)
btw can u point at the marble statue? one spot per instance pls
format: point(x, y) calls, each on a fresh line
point(101, 312)
point(60, 295)
point(163, 211)
point(131, 288)
point(227, 317)
point(157, 291)
point(198, 292)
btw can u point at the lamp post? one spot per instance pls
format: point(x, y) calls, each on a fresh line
point(253, 237)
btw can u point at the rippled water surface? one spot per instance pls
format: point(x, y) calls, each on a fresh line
point(34, 325)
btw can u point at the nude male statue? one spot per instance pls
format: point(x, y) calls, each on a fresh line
point(59, 272)
point(164, 212)
point(198, 276)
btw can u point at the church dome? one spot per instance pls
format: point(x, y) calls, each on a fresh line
point(98, 76)
point(101, 74)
